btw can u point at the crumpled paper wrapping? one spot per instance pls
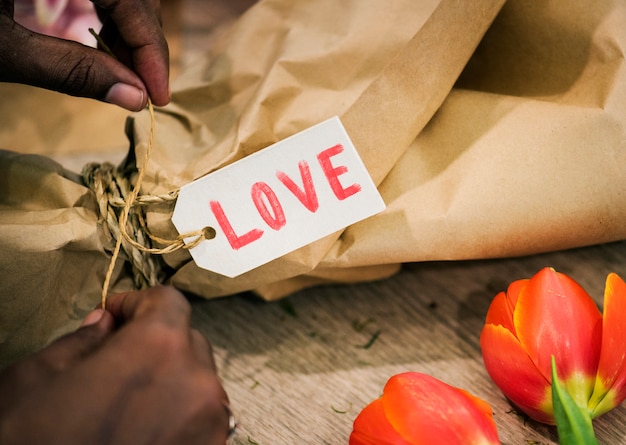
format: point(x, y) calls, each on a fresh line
point(384, 69)
point(487, 136)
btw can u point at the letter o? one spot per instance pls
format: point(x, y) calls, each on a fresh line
point(262, 196)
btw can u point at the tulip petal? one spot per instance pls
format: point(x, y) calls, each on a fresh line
point(500, 312)
point(426, 411)
point(555, 316)
point(481, 407)
point(371, 427)
point(611, 377)
point(502, 307)
point(513, 291)
point(515, 373)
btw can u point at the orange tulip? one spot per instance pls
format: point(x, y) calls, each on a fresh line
point(416, 409)
point(551, 315)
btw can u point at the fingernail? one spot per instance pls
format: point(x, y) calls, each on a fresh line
point(92, 317)
point(126, 96)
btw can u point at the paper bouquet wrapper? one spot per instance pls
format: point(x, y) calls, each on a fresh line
point(490, 131)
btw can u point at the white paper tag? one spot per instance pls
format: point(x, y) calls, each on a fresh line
point(277, 200)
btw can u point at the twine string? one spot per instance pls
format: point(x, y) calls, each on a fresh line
point(121, 209)
point(138, 249)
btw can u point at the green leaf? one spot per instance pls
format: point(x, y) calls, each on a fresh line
point(573, 423)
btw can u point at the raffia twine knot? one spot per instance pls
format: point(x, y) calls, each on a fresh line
point(122, 214)
point(112, 188)
point(114, 193)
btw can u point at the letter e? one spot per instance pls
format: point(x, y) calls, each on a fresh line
point(332, 173)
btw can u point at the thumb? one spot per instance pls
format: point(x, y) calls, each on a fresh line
point(65, 351)
point(67, 67)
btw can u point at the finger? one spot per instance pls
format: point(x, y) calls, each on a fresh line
point(138, 24)
point(93, 317)
point(202, 350)
point(67, 67)
point(76, 345)
point(110, 36)
point(161, 304)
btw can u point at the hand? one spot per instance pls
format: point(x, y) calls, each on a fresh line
point(152, 380)
point(131, 28)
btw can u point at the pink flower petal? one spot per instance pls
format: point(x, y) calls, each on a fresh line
point(49, 11)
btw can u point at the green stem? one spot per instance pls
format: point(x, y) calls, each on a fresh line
point(573, 422)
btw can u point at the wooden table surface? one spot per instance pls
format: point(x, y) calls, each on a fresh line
point(297, 370)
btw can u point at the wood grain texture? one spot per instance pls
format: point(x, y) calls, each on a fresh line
point(297, 371)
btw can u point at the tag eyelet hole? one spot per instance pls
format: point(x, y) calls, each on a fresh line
point(209, 233)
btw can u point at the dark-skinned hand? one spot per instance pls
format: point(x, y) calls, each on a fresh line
point(134, 374)
point(131, 29)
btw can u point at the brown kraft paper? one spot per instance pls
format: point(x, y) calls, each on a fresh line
point(487, 136)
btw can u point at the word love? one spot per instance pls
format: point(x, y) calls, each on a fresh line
point(274, 216)
point(277, 200)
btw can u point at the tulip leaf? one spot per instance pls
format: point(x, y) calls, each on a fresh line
point(573, 423)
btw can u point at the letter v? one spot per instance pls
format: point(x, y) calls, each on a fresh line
point(306, 195)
